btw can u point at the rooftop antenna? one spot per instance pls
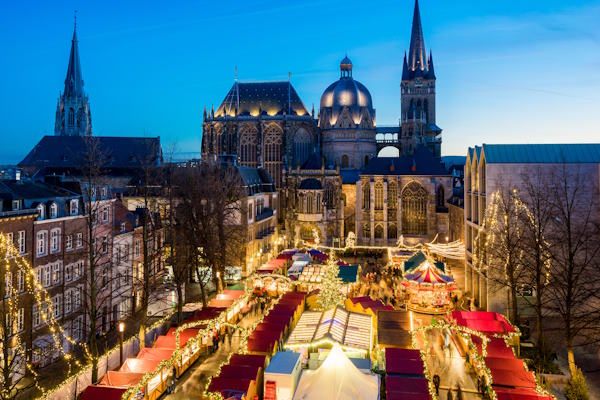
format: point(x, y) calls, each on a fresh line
point(235, 73)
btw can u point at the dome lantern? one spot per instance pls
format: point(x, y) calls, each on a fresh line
point(346, 68)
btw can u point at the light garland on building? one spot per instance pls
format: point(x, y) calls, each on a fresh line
point(13, 261)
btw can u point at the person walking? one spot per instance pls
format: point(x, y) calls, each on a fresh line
point(436, 383)
point(459, 395)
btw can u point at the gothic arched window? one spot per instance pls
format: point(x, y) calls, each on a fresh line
point(392, 195)
point(345, 161)
point(367, 196)
point(302, 146)
point(80, 117)
point(71, 117)
point(440, 199)
point(367, 230)
point(248, 147)
point(272, 145)
point(310, 201)
point(392, 231)
point(414, 209)
point(329, 195)
point(379, 196)
point(378, 232)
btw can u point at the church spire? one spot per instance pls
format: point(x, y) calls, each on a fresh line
point(417, 57)
point(74, 80)
point(73, 116)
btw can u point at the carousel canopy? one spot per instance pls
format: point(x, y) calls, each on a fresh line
point(338, 325)
point(427, 273)
point(337, 379)
point(418, 259)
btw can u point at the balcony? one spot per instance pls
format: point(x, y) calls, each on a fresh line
point(263, 233)
point(17, 213)
point(266, 213)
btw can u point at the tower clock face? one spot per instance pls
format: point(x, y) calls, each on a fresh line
point(418, 83)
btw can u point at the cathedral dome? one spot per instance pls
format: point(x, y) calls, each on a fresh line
point(346, 92)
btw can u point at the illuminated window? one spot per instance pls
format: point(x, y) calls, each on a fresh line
point(414, 209)
point(379, 196)
point(248, 147)
point(302, 146)
point(272, 145)
point(367, 196)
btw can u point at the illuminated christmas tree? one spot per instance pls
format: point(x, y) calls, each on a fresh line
point(330, 293)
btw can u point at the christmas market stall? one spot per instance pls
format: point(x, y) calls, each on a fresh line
point(321, 329)
point(405, 375)
point(282, 375)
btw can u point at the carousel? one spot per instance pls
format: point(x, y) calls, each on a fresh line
point(429, 289)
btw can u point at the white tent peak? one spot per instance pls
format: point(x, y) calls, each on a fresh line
point(337, 379)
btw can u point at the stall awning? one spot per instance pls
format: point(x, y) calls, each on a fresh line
point(239, 371)
point(100, 392)
point(148, 353)
point(121, 379)
point(139, 365)
point(229, 387)
point(483, 321)
point(248, 359)
point(397, 386)
point(403, 362)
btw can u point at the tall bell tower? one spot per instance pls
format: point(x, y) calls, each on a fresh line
point(73, 116)
point(418, 126)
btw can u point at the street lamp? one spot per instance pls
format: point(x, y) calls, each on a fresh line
point(121, 330)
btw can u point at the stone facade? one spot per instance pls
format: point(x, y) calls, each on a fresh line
point(390, 206)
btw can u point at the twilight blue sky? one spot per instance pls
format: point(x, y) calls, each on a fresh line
point(508, 71)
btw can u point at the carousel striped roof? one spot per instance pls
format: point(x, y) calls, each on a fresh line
point(427, 273)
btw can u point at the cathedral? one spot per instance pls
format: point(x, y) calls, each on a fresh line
point(326, 167)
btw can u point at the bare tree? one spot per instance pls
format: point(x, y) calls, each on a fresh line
point(95, 193)
point(210, 211)
point(151, 212)
point(536, 255)
point(499, 246)
point(575, 237)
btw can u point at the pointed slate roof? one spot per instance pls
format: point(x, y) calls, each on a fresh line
point(262, 98)
point(74, 79)
point(417, 65)
point(417, 57)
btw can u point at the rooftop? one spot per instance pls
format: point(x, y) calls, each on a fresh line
point(575, 153)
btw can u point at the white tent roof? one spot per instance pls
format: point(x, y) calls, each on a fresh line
point(337, 379)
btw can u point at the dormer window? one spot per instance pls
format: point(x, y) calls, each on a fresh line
point(74, 207)
point(41, 211)
point(16, 205)
point(53, 210)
